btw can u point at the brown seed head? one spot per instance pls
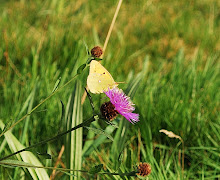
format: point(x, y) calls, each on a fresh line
point(96, 51)
point(144, 169)
point(108, 111)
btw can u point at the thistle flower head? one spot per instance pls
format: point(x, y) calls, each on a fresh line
point(143, 169)
point(108, 111)
point(96, 51)
point(122, 104)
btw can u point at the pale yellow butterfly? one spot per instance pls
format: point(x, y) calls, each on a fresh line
point(99, 78)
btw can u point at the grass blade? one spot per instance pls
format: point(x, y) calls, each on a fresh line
point(27, 157)
point(73, 117)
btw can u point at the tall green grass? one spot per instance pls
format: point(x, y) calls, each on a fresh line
point(166, 52)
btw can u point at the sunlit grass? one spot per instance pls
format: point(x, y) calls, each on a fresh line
point(179, 40)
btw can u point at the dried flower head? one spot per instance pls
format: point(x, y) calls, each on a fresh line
point(96, 51)
point(122, 104)
point(143, 169)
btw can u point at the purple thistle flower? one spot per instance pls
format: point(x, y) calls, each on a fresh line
point(123, 104)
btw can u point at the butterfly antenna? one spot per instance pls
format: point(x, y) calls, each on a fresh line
point(90, 100)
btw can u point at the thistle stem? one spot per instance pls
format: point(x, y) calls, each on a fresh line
point(133, 173)
point(85, 123)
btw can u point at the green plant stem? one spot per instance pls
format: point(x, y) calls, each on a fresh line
point(85, 123)
point(28, 114)
point(43, 167)
point(133, 173)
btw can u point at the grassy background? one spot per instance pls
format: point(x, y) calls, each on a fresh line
point(176, 43)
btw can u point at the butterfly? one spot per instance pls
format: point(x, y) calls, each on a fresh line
point(99, 78)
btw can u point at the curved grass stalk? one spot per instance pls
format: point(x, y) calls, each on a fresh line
point(28, 114)
point(106, 41)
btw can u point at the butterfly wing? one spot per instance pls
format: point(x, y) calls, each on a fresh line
point(99, 78)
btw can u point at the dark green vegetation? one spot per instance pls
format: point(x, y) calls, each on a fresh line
point(174, 44)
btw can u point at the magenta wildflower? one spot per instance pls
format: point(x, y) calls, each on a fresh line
point(122, 104)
